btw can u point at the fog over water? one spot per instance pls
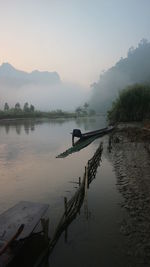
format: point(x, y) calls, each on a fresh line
point(45, 89)
point(63, 96)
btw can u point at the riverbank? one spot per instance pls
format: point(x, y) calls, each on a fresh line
point(130, 154)
point(44, 115)
point(35, 115)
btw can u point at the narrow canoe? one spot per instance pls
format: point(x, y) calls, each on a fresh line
point(97, 132)
point(77, 133)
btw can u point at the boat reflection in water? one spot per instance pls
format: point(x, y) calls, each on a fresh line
point(85, 140)
point(78, 145)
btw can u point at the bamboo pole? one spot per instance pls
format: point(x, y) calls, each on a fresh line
point(65, 205)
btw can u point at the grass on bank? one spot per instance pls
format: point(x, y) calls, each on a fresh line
point(132, 104)
point(12, 113)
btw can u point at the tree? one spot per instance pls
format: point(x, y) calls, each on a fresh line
point(130, 51)
point(6, 107)
point(86, 105)
point(17, 106)
point(135, 68)
point(132, 104)
point(143, 41)
point(78, 111)
point(26, 107)
point(32, 108)
point(85, 109)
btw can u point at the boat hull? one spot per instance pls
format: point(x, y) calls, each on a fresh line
point(100, 132)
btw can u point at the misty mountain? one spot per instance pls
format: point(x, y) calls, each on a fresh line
point(11, 76)
point(135, 68)
point(43, 89)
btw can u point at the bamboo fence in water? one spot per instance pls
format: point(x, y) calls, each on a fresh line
point(72, 206)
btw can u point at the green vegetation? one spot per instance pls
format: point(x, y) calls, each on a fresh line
point(84, 111)
point(133, 104)
point(135, 68)
point(28, 111)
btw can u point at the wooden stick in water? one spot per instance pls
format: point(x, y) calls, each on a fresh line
point(65, 205)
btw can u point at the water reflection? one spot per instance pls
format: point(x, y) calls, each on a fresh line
point(18, 128)
point(95, 233)
point(7, 128)
point(18, 125)
point(28, 150)
point(30, 171)
point(29, 125)
point(79, 145)
point(88, 123)
point(73, 206)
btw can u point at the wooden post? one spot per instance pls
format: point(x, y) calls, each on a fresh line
point(72, 139)
point(65, 205)
point(88, 174)
point(85, 192)
point(66, 234)
point(79, 181)
point(85, 172)
point(86, 177)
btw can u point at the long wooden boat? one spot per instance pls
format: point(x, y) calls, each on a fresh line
point(77, 133)
point(84, 140)
point(21, 234)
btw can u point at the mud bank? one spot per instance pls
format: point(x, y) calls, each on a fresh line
point(129, 149)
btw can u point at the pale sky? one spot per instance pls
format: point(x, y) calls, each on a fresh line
point(76, 38)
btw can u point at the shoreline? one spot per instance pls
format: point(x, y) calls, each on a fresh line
point(40, 118)
point(130, 153)
point(35, 118)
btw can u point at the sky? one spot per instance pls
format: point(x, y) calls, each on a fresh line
point(77, 38)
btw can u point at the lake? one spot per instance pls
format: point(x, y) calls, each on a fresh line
point(29, 170)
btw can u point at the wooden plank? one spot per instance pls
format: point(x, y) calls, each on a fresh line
point(27, 213)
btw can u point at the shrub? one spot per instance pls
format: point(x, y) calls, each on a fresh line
point(132, 104)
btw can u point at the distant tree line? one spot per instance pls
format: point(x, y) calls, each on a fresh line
point(26, 107)
point(85, 110)
point(29, 111)
point(132, 104)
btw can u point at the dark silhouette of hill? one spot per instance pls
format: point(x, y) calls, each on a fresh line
point(135, 68)
point(11, 76)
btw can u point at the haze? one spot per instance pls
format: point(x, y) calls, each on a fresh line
point(77, 39)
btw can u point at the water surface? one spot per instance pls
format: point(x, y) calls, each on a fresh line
point(29, 170)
